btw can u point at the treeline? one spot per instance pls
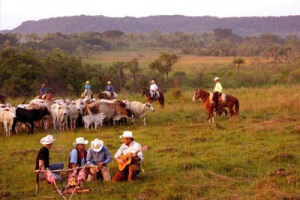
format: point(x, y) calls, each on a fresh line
point(222, 42)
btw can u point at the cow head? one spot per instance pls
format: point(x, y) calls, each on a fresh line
point(149, 107)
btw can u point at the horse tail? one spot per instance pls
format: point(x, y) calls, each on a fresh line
point(237, 107)
point(162, 100)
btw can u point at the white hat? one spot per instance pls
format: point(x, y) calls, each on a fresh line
point(152, 81)
point(87, 82)
point(97, 145)
point(47, 140)
point(126, 134)
point(108, 82)
point(216, 78)
point(80, 140)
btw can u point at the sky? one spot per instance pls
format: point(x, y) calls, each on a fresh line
point(14, 12)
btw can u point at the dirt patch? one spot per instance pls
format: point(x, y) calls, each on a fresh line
point(197, 140)
point(186, 153)
point(283, 157)
point(168, 150)
point(190, 166)
point(23, 152)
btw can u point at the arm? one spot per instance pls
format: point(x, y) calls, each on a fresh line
point(117, 156)
point(73, 159)
point(89, 158)
point(42, 166)
point(108, 157)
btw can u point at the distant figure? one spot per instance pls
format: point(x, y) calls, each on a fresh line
point(109, 88)
point(43, 90)
point(153, 89)
point(217, 91)
point(87, 91)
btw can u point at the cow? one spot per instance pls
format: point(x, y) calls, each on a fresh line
point(60, 113)
point(114, 111)
point(7, 116)
point(73, 114)
point(96, 119)
point(139, 109)
point(29, 116)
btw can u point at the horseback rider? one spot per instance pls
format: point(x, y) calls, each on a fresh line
point(43, 90)
point(217, 91)
point(109, 88)
point(153, 89)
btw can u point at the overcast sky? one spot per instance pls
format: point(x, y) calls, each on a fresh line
point(14, 12)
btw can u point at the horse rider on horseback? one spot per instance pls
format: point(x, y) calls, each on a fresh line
point(109, 88)
point(87, 89)
point(43, 90)
point(217, 91)
point(153, 89)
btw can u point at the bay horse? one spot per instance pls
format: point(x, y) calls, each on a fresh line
point(231, 103)
point(160, 98)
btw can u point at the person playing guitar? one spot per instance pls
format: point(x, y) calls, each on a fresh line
point(129, 157)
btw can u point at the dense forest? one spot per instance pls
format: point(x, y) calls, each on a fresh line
point(284, 25)
point(56, 59)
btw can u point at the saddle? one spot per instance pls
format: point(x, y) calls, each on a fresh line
point(156, 96)
point(221, 99)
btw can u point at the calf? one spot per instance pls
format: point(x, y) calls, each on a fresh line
point(73, 114)
point(60, 113)
point(95, 119)
point(29, 116)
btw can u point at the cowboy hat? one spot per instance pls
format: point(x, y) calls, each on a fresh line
point(43, 84)
point(216, 78)
point(126, 134)
point(80, 140)
point(152, 81)
point(97, 145)
point(47, 140)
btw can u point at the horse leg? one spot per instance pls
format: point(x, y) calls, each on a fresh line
point(231, 113)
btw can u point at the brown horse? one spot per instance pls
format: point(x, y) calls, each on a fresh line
point(231, 102)
point(48, 97)
point(2, 99)
point(160, 98)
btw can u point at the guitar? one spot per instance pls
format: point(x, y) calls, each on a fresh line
point(127, 158)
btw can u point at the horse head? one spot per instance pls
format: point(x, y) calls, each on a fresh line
point(145, 91)
point(196, 95)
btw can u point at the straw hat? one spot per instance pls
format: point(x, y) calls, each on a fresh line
point(87, 82)
point(47, 140)
point(97, 145)
point(216, 78)
point(80, 140)
point(127, 134)
point(152, 81)
point(108, 82)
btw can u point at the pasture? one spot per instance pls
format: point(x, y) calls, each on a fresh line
point(188, 158)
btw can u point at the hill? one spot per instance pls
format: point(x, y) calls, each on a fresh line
point(283, 25)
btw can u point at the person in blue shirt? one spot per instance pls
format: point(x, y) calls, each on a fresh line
point(43, 90)
point(109, 88)
point(87, 90)
point(87, 87)
point(98, 155)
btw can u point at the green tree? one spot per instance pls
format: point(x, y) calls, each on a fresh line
point(164, 63)
point(238, 62)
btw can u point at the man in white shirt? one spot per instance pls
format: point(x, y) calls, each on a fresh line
point(153, 89)
point(217, 91)
point(129, 147)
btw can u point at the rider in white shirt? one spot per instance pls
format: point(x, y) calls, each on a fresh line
point(153, 88)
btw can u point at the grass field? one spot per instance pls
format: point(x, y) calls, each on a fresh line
point(188, 157)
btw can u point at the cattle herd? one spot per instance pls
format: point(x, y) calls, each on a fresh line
point(64, 114)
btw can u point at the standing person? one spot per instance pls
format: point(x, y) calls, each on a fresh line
point(43, 90)
point(98, 155)
point(109, 88)
point(217, 91)
point(153, 89)
point(134, 168)
point(42, 159)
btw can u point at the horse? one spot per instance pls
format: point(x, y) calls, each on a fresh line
point(87, 95)
point(106, 95)
point(149, 98)
point(231, 103)
point(48, 97)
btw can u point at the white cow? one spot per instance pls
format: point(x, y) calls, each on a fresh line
point(73, 114)
point(63, 101)
point(139, 109)
point(60, 113)
point(95, 119)
point(7, 116)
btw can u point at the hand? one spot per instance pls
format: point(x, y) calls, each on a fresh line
point(100, 164)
